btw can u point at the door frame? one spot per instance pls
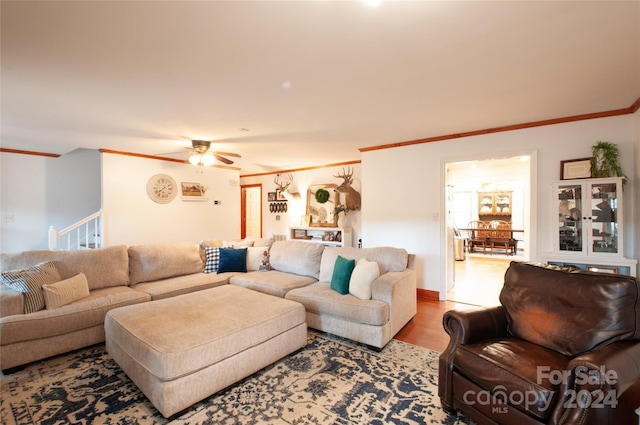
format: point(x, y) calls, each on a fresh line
point(531, 219)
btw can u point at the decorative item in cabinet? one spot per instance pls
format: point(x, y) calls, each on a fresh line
point(494, 203)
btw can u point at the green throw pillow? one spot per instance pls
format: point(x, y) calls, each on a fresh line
point(342, 274)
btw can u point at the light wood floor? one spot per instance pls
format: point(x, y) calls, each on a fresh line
point(478, 283)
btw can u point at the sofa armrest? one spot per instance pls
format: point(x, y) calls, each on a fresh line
point(11, 302)
point(466, 327)
point(603, 386)
point(398, 290)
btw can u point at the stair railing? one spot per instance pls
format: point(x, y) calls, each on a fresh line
point(84, 234)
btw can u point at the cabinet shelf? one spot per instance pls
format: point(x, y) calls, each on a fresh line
point(330, 236)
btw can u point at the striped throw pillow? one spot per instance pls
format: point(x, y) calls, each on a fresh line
point(29, 282)
point(66, 291)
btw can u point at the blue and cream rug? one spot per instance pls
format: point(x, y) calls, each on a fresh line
point(331, 381)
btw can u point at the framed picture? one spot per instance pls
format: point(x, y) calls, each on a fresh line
point(271, 196)
point(192, 189)
point(280, 195)
point(575, 169)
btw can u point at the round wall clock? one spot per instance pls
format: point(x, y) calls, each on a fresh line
point(161, 188)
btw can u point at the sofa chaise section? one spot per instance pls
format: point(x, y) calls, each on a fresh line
point(370, 321)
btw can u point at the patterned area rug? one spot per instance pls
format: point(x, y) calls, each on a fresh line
point(331, 381)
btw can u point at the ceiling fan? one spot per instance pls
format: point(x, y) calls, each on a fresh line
point(202, 155)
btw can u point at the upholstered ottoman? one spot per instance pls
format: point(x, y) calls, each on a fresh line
point(181, 350)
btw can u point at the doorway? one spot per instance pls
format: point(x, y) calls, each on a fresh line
point(251, 211)
point(476, 276)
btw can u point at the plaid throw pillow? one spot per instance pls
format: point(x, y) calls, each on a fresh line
point(29, 282)
point(213, 259)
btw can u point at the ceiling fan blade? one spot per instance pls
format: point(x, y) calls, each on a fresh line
point(223, 159)
point(168, 153)
point(235, 155)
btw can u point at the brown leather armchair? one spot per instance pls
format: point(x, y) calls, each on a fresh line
point(563, 348)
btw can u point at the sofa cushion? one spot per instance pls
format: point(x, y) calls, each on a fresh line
point(179, 285)
point(103, 267)
point(66, 291)
point(210, 243)
point(362, 278)
point(262, 242)
point(301, 258)
point(82, 314)
point(255, 257)
point(320, 299)
point(389, 259)
point(271, 282)
point(30, 281)
point(509, 367)
point(233, 260)
point(160, 261)
point(568, 310)
point(342, 274)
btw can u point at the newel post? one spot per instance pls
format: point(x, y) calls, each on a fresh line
point(53, 238)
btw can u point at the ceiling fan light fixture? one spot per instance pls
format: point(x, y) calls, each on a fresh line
point(207, 159)
point(195, 158)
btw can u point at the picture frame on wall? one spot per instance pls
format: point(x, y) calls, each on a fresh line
point(575, 169)
point(271, 196)
point(192, 189)
point(280, 195)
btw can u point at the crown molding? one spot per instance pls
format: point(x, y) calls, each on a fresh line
point(21, 152)
point(616, 112)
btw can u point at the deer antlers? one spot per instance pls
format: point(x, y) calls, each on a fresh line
point(348, 176)
point(283, 186)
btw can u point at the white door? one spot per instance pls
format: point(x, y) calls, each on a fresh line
point(253, 212)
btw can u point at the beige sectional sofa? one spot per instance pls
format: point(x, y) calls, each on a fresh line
point(118, 276)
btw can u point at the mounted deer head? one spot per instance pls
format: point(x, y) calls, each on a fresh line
point(284, 187)
point(352, 197)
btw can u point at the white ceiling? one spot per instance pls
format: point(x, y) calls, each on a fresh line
point(311, 81)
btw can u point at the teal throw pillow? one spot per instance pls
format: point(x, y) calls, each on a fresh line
point(342, 274)
point(232, 260)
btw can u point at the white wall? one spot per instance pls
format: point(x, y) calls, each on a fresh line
point(132, 218)
point(39, 191)
point(404, 205)
point(23, 196)
point(301, 181)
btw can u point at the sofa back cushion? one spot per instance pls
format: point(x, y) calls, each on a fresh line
point(160, 261)
point(389, 259)
point(103, 267)
point(301, 258)
point(568, 310)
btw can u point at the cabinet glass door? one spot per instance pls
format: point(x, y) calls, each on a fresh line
point(570, 224)
point(604, 218)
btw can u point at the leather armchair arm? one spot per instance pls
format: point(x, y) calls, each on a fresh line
point(469, 326)
point(604, 386)
point(466, 327)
